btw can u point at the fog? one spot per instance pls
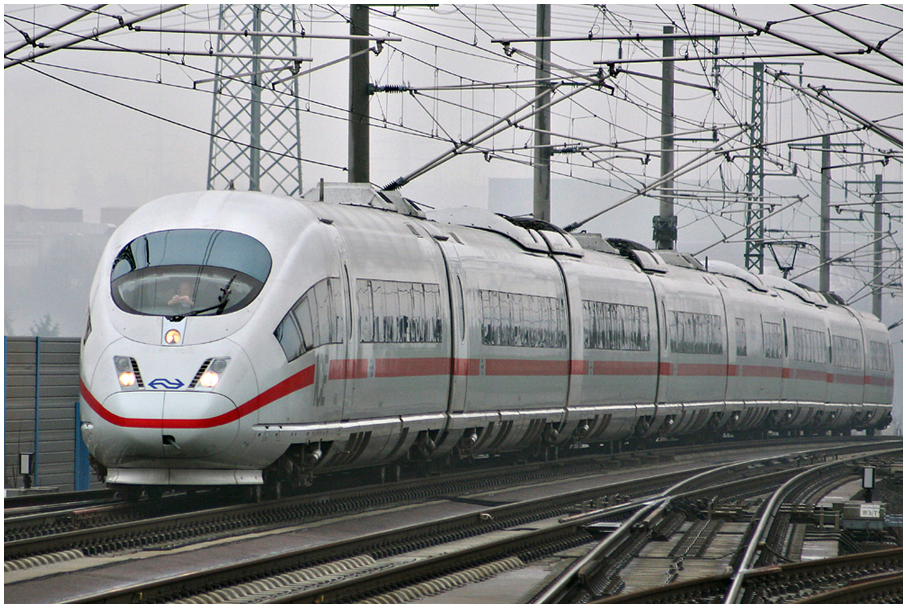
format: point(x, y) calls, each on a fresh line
point(98, 134)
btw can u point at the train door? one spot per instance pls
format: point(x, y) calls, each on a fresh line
point(459, 314)
point(331, 363)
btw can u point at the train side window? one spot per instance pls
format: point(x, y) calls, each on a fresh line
point(462, 310)
point(325, 320)
point(524, 320)
point(366, 310)
point(613, 326)
point(433, 311)
point(399, 311)
point(880, 356)
point(314, 320)
point(306, 320)
point(786, 341)
point(290, 339)
point(742, 349)
point(847, 352)
point(348, 303)
point(772, 337)
point(695, 333)
point(392, 313)
point(809, 345)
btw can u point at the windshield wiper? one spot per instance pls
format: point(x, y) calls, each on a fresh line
point(225, 295)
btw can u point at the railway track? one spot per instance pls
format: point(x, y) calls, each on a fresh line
point(117, 526)
point(40, 515)
point(40, 503)
point(103, 524)
point(758, 576)
point(388, 562)
point(873, 577)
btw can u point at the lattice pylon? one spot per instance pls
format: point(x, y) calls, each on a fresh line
point(255, 136)
point(754, 256)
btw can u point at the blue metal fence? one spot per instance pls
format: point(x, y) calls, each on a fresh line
point(41, 414)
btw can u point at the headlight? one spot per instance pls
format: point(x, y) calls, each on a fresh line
point(209, 379)
point(127, 378)
point(210, 372)
point(127, 373)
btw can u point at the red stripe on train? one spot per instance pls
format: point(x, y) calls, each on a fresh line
point(628, 368)
point(292, 384)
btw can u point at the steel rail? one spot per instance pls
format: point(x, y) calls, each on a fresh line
point(717, 585)
point(862, 593)
point(27, 501)
point(453, 527)
point(380, 540)
point(520, 543)
point(232, 515)
point(557, 589)
point(766, 522)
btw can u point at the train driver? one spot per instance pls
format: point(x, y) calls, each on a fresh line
point(183, 297)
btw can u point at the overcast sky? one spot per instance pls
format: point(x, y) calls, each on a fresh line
point(67, 147)
point(90, 129)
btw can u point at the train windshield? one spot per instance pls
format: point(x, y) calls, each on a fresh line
point(181, 273)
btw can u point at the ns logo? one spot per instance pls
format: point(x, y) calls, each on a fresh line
point(164, 383)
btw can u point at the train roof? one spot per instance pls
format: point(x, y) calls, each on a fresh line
point(543, 237)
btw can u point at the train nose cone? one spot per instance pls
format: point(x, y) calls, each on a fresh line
point(198, 425)
point(164, 424)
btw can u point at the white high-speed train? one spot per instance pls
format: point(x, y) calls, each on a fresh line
point(243, 338)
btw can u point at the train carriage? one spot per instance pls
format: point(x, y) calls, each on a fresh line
point(241, 338)
point(753, 378)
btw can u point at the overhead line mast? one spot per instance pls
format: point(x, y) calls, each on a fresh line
point(665, 224)
point(255, 134)
point(359, 145)
point(542, 183)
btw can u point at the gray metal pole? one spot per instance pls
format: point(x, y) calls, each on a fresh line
point(359, 120)
point(542, 183)
point(255, 107)
point(876, 281)
point(665, 223)
point(824, 246)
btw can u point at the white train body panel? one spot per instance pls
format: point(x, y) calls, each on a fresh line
point(613, 383)
point(342, 335)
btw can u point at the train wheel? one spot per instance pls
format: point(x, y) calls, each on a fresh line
point(256, 493)
point(130, 493)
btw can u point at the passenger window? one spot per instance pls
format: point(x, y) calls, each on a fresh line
point(307, 323)
point(313, 321)
point(289, 338)
point(742, 349)
point(399, 311)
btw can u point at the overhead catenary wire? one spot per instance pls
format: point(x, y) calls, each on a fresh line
point(792, 40)
point(868, 45)
point(74, 41)
point(629, 101)
point(170, 120)
point(477, 138)
point(33, 40)
point(693, 164)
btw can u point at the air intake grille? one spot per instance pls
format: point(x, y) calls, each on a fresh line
point(201, 371)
